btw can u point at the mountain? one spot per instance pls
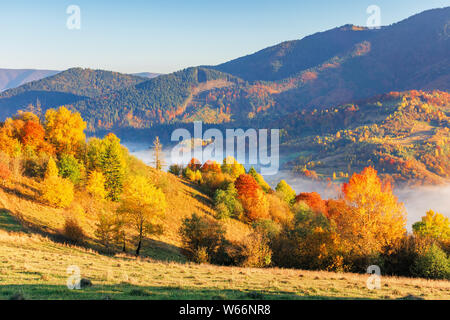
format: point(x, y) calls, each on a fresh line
point(63, 88)
point(325, 69)
point(11, 78)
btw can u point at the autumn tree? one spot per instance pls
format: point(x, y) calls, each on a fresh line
point(375, 218)
point(286, 192)
point(226, 202)
point(65, 130)
point(259, 178)
point(314, 201)
point(433, 225)
point(55, 190)
point(231, 167)
point(51, 170)
point(194, 164)
point(144, 204)
point(96, 184)
point(70, 168)
point(252, 197)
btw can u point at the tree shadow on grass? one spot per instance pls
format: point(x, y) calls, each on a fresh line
point(132, 292)
point(8, 222)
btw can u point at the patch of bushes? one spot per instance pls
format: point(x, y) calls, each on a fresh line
point(203, 238)
point(433, 263)
point(73, 231)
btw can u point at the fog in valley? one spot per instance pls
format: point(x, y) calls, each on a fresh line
point(417, 200)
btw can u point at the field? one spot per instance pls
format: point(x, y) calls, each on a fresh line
point(33, 267)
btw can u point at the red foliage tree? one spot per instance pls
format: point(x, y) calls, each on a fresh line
point(194, 164)
point(314, 201)
point(32, 134)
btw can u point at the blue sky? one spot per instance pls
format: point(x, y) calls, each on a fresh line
point(168, 35)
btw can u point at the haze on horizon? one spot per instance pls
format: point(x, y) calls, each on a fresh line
point(165, 36)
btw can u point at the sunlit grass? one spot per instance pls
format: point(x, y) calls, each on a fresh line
point(36, 268)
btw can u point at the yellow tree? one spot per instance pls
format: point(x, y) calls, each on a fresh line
point(232, 167)
point(96, 184)
point(374, 219)
point(65, 130)
point(143, 204)
point(433, 225)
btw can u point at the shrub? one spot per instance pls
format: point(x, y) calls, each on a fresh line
point(253, 251)
point(398, 259)
point(175, 169)
point(200, 255)
point(73, 231)
point(35, 167)
point(433, 263)
point(202, 232)
point(57, 192)
point(267, 228)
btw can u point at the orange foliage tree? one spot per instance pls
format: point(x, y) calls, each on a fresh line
point(374, 219)
point(314, 202)
point(252, 197)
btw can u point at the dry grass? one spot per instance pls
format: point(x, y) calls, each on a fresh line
point(20, 199)
point(37, 268)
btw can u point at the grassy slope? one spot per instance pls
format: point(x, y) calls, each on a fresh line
point(34, 264)
point(20, 199)
point(36, 268)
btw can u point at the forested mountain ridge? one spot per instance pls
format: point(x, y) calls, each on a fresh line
point(326, 69)
point(64, 88)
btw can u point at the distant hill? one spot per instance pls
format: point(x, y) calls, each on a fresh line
point(63, 88)
point(11, 78)
point(404, 135)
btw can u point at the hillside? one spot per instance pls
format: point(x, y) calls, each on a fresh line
point(11, 78)
point(403, 135)
point(23, 210)
point(64, 88)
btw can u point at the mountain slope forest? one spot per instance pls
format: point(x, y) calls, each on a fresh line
point(404, 135)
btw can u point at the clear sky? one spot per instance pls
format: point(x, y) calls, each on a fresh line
point(168, 35)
